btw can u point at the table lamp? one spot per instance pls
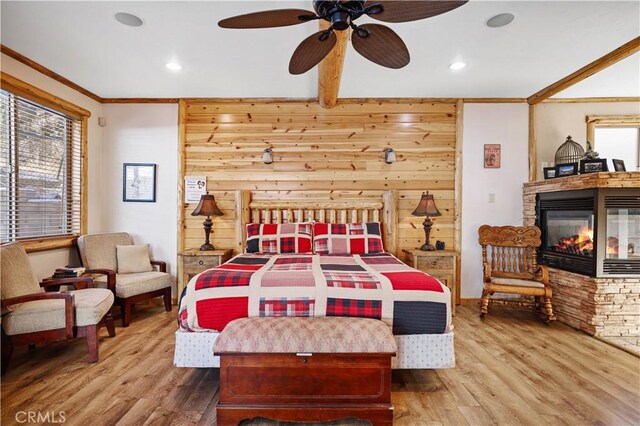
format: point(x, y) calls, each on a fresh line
point(207, 207)
point(427, 207)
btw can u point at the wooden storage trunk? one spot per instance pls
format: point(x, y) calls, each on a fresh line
point(282, 383)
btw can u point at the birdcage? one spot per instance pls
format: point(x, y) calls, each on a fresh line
point(569, 152)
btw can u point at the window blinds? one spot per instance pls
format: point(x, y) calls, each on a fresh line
point(40, 165)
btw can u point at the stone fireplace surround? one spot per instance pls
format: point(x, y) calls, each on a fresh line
point(607, 308)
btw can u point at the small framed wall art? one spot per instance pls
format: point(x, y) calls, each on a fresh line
point(618, 165)
point(594, 166)
point(492, 156)
point(566, 169)
point(139, 182)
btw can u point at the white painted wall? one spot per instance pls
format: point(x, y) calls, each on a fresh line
point(506, 124)
point(556, 121)
point(45, 262)
point(142, 133)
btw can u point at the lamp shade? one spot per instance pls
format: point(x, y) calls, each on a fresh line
point(426, 206)
point(207, 207)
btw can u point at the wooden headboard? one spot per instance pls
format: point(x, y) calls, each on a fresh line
point(383, 210)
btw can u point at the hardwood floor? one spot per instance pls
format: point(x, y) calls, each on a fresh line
point(511, 369)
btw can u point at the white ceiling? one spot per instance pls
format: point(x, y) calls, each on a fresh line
point(547, 41)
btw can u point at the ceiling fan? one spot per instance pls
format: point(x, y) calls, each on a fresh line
point(378, 43)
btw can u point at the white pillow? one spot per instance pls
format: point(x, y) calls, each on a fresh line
point(133, 258)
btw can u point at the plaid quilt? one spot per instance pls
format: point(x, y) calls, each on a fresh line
point(373, 286)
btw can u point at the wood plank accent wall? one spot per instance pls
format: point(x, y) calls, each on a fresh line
point(320, 154)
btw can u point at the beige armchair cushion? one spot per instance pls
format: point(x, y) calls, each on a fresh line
point(98, 251)
point(90, 306)
point(128, 285)
point(16, 275)
point(133, 258)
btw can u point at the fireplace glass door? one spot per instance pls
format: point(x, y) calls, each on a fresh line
point(623, 233)
point(570, 232)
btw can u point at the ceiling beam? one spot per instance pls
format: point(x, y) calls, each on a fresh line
point(330, 69)
point(607, 60)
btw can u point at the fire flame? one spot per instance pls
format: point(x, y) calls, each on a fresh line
point(579, 244)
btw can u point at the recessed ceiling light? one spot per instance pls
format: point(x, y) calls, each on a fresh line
point(128, 19)
point(500, 20)
point(457, 66)
point(174, 66)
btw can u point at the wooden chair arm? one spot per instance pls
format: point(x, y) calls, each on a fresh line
point(162, 266)
point(68, 306)
point(486, 272)
point(543, 275)
point(111, 277)
point(77, 282)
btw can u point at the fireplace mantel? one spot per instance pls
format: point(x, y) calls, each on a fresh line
point(599, 306)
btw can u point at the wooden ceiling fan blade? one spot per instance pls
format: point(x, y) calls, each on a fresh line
point(381, 45)
point(268, 19)
point(311, 51)
point(405, 11)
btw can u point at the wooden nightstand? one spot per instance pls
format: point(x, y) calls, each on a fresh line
point(440, 264)
point(193, 261)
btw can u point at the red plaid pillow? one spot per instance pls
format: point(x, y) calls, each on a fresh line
point(350, 238)
point(274, 238)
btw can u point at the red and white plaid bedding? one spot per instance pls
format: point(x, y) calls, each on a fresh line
point(373, 286)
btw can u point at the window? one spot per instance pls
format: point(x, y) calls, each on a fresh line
point(40, 171)
point(616, 137)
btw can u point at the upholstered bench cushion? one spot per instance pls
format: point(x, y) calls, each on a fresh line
point(128, 285)
point(41, 315)
point(315, 335)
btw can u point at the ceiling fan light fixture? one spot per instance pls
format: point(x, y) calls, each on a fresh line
point(500, 20)
point(456, 66)
point(128, 19)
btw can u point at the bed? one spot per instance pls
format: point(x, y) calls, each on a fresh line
point(372, 283)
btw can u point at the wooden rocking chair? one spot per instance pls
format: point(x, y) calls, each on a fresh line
point(509, 263)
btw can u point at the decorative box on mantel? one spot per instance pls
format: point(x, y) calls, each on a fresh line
point(602, 299)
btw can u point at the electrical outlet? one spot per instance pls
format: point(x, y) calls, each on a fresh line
point(492, 197)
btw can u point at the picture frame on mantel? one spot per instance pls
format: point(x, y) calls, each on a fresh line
point(618, 165)
point(139, 182)
point(593, 166)
point(567, 169)
point(549, 172)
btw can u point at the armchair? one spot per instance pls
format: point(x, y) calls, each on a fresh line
point(99, 254)
point(509, 264)
point(31, 315)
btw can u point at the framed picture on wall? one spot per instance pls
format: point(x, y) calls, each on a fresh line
point(139, 182)
point(549, 172)
point(567, 169)
point(618, 165)
point(492, 156)
point(594, 166)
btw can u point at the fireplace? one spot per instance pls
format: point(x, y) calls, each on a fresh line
point(594, 232)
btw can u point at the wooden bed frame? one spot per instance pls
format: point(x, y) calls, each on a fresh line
point(383, 210)
point(194, 349)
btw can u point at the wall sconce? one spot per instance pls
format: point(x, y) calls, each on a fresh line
point(267, 156)
point(389, 155)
